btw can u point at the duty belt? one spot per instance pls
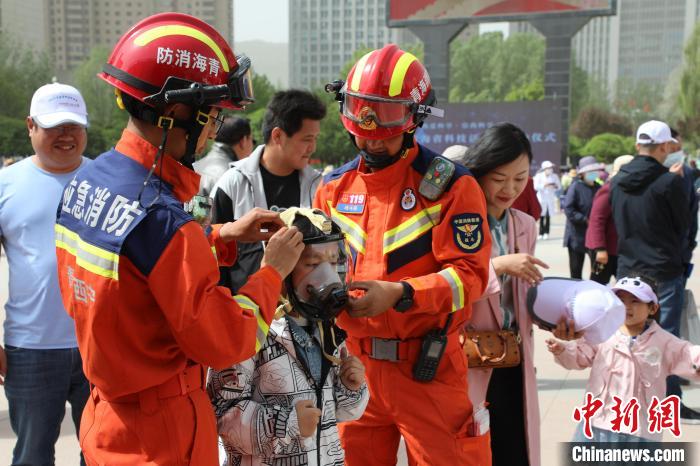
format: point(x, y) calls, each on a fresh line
point(395, 350)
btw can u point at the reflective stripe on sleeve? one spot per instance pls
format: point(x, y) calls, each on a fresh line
point(261, 333)
point(455, 282)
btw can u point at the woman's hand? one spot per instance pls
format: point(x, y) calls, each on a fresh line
point(565, 330)
point(523, 266)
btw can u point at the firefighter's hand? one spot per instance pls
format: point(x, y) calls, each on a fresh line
point(554, 346)
point(523, 266)
point(601, 256)
point(565, 330)
point(3, 365)
point(308, 416)
point(379, 296)
point(256, 225)
point(283, 250)
point(352, 371)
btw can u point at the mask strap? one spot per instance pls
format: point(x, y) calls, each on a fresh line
point(330, 357)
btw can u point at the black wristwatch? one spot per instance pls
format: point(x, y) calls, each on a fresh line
point(405, 302)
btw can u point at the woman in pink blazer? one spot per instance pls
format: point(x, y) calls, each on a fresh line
point(500, 161)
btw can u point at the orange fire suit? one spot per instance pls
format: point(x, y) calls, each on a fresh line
point(442, 249)
point(140, 280)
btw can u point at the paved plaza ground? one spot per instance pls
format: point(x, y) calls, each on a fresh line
point(560, 390)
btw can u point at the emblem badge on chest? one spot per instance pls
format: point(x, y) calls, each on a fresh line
point(408, 199)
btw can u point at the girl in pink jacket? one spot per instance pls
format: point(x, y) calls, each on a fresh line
point(632, 365)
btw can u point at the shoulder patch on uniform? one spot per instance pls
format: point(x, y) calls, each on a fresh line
point(338, 172)
point(422, 162)
point(467, 231)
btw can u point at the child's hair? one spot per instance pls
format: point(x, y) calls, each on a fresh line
point(653, 284)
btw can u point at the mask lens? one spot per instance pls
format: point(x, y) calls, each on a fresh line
point(380, 112)
point(241, 82)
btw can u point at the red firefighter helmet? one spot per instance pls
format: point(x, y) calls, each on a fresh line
point(387, 93)
point(175, 51)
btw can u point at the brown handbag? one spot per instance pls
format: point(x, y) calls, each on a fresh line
point(491, 348)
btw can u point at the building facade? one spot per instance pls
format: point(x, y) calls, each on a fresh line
point(68, 29)
point(324, 35)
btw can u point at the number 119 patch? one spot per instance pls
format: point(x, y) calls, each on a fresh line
point(351, 203)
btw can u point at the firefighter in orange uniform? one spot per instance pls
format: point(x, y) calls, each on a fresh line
point(139, 275)
point(416, 226)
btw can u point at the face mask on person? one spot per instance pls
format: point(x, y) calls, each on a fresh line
point(590, 177)
point(322, 294)
point(673, 158)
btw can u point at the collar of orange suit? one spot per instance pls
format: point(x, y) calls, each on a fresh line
point(408, 158)
point(184, 181)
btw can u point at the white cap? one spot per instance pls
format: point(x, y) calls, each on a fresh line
point(546, 164)
point(56, 104)
point(594, 308)
point(654, 132)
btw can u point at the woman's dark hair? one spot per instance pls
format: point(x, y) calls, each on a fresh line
point(498, 145)
point(288, 109)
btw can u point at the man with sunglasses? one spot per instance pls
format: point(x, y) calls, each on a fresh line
point(40, 342)
point(414, 222)
point(139, 275)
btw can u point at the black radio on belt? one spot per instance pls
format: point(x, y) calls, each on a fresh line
point(432, 349)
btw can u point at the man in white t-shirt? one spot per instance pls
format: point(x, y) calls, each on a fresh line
point(40, 365)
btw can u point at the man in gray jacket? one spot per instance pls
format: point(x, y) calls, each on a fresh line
point(234, 141)
point(275, 176)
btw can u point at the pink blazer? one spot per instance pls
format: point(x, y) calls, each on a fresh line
point(487, 315)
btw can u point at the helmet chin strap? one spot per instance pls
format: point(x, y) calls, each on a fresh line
point(379, 162)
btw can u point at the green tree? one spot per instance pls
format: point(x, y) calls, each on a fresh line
point(689, 93)
point(606, 147)
point(637, 101)
point(22, 71)
point(14, 139)
point(107, 120)
point(333, 145)
point(491, 68)
point(593, 121)
point(264, 90)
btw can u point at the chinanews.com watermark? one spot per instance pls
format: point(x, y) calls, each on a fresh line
point(609, 454)
point(633, 447)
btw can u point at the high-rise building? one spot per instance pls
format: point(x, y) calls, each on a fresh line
point(644, 41)
point(324, 34)
point(68, 29)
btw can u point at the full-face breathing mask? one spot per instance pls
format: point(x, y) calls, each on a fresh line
point(321, 294)
point(317, 287)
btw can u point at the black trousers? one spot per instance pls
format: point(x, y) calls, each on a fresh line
point(544, 224)
point(602, 274)
point(506, 399)
point(576, 259)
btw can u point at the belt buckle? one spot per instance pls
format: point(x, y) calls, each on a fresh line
point(385, 350)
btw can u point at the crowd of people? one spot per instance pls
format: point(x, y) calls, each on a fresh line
point(243, 308)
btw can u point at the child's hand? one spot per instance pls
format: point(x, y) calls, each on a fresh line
point(565, 330)
point(352, 371)
point(308, 416)
point(554, 346)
